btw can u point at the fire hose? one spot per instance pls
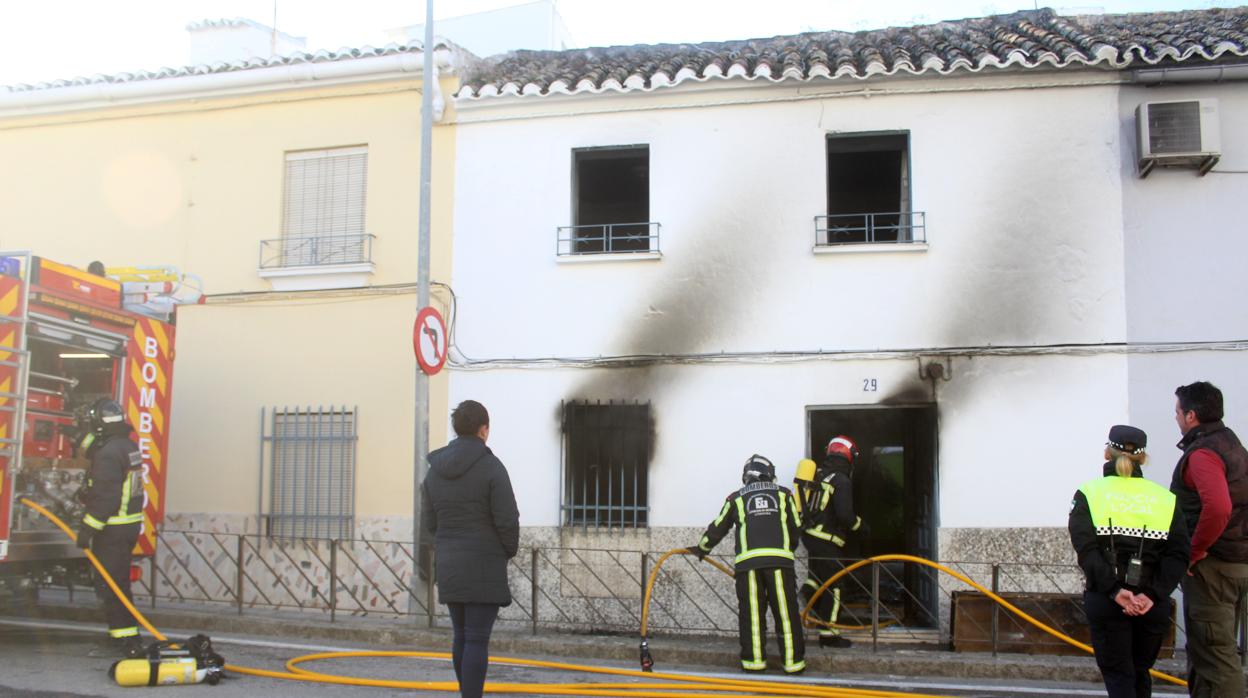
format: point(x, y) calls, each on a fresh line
point(676, 685)
point(647, 660)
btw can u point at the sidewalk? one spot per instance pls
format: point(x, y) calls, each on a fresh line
point(669, 651)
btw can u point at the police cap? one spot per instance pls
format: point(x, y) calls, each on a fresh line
point(1127, 439)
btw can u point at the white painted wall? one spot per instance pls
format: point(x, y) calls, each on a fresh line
point(1186, 280)
point(1021, 190)
point(1017, 435)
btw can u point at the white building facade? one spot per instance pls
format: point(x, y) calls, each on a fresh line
point(1023, 291)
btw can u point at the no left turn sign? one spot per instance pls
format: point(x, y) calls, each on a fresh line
point(429, 340)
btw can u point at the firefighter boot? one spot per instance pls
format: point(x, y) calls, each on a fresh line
point(132, 647)
point(831, 640)
point(114, 647)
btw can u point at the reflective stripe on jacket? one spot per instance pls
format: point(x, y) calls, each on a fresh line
point(114, 493)
point(768, 525)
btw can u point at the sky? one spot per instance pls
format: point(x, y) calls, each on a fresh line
point(43, 40)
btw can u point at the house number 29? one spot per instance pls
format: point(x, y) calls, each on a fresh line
point(870, 385)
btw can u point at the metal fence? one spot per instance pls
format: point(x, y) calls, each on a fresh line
point(583, 590)
point(869, 228)
point(607, 238)
point(320, 250)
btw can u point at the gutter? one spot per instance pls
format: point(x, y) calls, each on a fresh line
point(1169, 76)
point(233, 83)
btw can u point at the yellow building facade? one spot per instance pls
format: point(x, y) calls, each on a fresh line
point(291, 189)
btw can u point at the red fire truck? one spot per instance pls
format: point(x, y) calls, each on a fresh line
point(67, 338)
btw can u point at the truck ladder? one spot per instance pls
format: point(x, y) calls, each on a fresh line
point(13, 412)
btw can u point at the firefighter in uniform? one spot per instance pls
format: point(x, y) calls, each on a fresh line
point(113, 501)
point(826, 496)
point(1132, 545)
point(768, 525)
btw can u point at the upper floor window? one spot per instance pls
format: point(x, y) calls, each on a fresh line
point(869, 192)
point(610, 202)
point(323, 209)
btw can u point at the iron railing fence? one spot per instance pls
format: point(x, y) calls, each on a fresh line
point(580, 590)
point(319, 250)
point(607, 238)
point(901, 227)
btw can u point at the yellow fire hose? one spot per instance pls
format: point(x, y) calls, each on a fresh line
point(679, 686)
point(646, 660)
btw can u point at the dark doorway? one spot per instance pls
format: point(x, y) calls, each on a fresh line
point(895, 494)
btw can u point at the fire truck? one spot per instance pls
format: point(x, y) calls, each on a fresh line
point(69, 337)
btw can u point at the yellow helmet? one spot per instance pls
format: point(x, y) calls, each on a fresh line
point(805, 470)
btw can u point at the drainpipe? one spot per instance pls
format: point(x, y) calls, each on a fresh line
point(1169, 76)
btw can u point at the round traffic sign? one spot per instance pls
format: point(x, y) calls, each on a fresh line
point(429, 340)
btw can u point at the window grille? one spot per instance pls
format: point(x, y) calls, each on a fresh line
point(607, 452)
point(323, 209)
point(311, 456)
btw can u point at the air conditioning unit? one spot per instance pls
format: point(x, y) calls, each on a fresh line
point(1177, 134)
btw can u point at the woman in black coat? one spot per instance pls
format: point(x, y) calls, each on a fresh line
point(469, 511)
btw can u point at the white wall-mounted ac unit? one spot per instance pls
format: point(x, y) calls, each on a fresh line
point(1177, 134)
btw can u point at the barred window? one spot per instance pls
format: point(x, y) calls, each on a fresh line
point(323, 206)
point(311, 455)
point(607, 452)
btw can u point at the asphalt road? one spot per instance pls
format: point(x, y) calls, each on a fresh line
point(52, 660)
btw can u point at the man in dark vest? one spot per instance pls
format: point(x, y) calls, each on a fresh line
point(1211, 484)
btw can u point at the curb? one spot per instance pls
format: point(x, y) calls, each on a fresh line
point(704, 652)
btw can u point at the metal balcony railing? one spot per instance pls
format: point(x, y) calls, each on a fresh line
point(316, 251)
point(607, 238)
point(870, 228)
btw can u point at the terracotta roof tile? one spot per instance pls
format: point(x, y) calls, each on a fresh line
point(1029, 39)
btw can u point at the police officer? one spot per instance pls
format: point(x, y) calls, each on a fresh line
point(113, 500)
point(1132, 544)
point(768, 525)
point(827, 496)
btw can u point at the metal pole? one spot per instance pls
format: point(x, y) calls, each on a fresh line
point(996, 589)
point(333, 579)
point(429, 589)
point(421, 446)
point(152, 571)
point(238, 588)
point(875, 605)
point(533, 590)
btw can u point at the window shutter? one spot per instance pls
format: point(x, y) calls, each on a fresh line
point(325, 192)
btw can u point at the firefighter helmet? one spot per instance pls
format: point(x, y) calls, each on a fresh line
point(843, 446)
point(805, 471)
point(758, 468)
point(104, 412)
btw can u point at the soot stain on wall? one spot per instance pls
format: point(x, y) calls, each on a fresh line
point(695, 306)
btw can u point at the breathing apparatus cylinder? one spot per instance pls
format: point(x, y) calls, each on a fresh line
point(165, 672)
point(170, 664)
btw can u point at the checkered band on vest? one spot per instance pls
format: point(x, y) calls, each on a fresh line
point(1132, 532)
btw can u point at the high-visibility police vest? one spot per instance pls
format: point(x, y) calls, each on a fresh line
point(1129, 506)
